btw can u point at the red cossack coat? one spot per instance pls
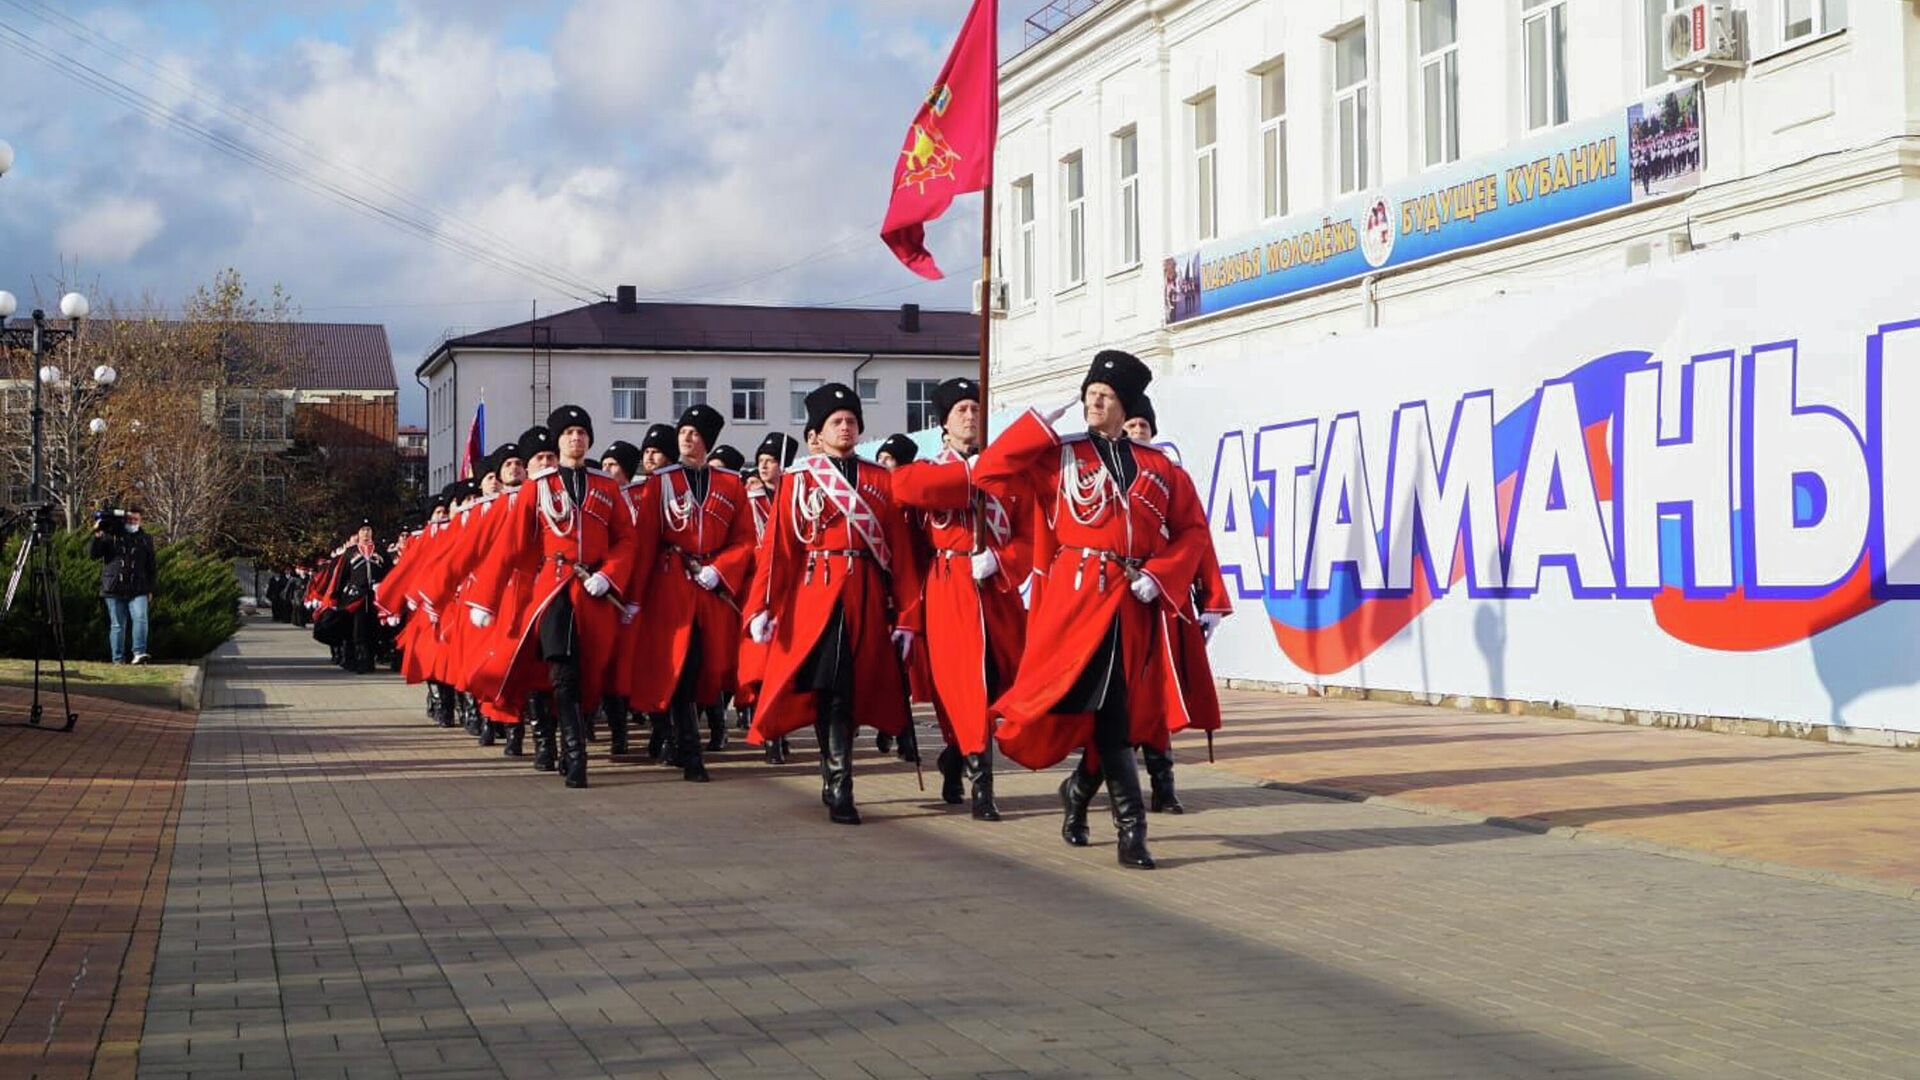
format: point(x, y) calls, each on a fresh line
point(674, 535)
point(966, 621)
point(1088, 534)
point(542, 538)
point(753, 655)
point(807, 572)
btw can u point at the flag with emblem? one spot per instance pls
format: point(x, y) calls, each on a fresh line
point(949, 145)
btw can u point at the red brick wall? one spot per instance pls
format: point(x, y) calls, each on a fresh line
point(348, 422)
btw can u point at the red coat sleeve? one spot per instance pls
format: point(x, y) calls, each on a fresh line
point(1188, 539)
point(734, 559)
point(516, 542)
point(773, 571)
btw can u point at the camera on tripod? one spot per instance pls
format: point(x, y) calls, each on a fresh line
point(110, 520)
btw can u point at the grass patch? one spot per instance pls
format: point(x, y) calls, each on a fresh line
point(84, 673)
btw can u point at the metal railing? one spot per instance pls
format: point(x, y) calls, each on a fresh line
point(1049, 20)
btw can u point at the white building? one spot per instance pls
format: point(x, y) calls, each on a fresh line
point(631, 364)
point(1144, 129)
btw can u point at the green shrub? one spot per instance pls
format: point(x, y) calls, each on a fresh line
point(196, 604)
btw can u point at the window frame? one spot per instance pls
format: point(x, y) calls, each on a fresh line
point(1352, 99)
point(920, 397)
point(860, 387)
point(1820, 22)
point(1025, 255)
point(631, 394)
point(1126, 198)
point(755, 389)
point(1273, 189)
point(1447, 59)
point(1553, 13)
point(1073, 220)
point(797, 391)
point(1653, 45)
point(1206, 164)
point(684, 384)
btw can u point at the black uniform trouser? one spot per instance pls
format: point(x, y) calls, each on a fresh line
point(365, 638)
point(559, 646)
point(829, 674)
point(683, 711)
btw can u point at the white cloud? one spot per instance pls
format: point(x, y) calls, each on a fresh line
point(112, 230)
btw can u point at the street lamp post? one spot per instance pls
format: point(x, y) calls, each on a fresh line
point(40, 339)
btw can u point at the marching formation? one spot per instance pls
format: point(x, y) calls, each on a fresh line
point(1047, 594)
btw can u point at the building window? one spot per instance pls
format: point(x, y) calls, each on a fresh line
point(687, 393)
point(1273, 141)
point(1073, 219)
point(1439, 83)
point(1350, 107)
point(1543, 31)
point(920, 403)
point(1206, 174)
point(869, 390)
point(750, 400)
point(1023, 240)
point(629, 399)
point(1127, 202)
point(1802, 19)
point(797, 391)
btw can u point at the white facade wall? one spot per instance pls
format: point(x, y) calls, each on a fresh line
point(460, 379)
point(1800, 134)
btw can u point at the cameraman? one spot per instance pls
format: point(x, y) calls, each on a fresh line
point(126, 579)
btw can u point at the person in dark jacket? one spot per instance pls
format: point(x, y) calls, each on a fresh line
point(127, 574)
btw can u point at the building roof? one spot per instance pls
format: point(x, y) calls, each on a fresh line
point(409, 429)
point(323, 356)
point(730, 328)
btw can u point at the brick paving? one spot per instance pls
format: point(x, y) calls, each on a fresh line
point(1791, 803)
point(354, 893)
point(86, 832)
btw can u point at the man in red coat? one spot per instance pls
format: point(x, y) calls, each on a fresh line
point(1120, 538)
point(978, 556)
point(1207, 603)
point(620, 460)
point(693, 560)
point(571, 536)
point(770, 461)
point(834, 578)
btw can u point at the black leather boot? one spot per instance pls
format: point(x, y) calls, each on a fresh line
point(716, 728)
point(1076, 791)
point(883, 742)
point(516, 740)
point(1129, 811)
point(686, 732)
point(910, 745)
point(777, 751)
point(826, 767)
point(489, 730)
point(656, 736)
point(742, 718)
point(433, 702)
point(573, 747)
point(542, 717)
point(953, 791)
point(616, 710)
point(841, 810)
point(474, 720)
point(980, 775)
point(1161, 799)
point(589, 726)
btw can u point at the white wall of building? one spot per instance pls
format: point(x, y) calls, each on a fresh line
point(1804, 132)
point(460, 379)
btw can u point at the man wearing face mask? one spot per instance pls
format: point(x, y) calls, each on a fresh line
point(126, 581)
point(570, 536)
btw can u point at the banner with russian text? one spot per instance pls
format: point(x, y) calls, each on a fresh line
point(1693, 489)
point(1649, 150)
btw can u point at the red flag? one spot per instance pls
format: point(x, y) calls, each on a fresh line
point(476, 442)
point(949, 147)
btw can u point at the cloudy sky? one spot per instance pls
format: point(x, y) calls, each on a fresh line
point(718, 149)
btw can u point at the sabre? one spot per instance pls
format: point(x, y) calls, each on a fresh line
point(693, 567)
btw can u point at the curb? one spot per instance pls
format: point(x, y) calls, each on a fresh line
point(1539, 827)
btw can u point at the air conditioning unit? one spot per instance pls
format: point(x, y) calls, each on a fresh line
point(1700, 35)
point(998, 290)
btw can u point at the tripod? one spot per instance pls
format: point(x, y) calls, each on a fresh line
point(36, 561)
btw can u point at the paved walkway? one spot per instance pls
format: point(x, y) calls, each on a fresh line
point(1844, 814)
point(86, 832)
point(355, 893)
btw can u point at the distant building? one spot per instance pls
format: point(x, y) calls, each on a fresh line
point(412, 444)
point(631, 364)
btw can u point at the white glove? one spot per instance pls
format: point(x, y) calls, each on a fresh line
point(1145, 589)
point(903, 640)
point(479, 618)
point(985, 564)
point(707, 578)
point(1052, 416)
point(391, 620)
point(761, 628)
point(628, 613)
point(598, 584)
point(1209, 622)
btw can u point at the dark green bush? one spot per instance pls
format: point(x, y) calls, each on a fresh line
point(196, 604)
